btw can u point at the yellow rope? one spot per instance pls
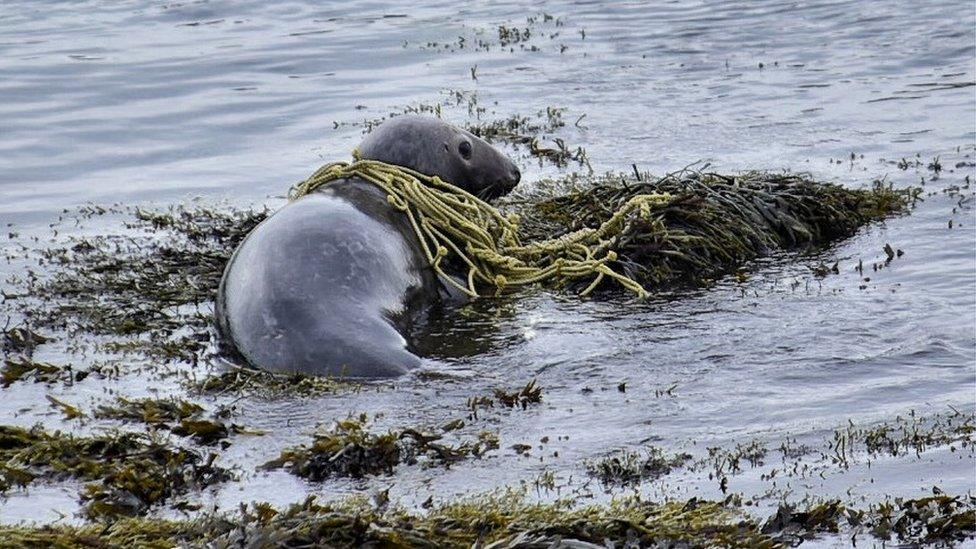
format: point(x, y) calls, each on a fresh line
point(450, 221)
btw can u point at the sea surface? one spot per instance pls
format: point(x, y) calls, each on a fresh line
point(154, 103)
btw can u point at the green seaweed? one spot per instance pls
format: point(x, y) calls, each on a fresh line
point(730, 460)
point(70, 411)
point(530, 394)
point(527, 132)
point(937, 518)
point(505, 521)
point(348, 449)
point(797, 525)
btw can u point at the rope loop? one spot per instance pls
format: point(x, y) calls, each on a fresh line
point(448, 221)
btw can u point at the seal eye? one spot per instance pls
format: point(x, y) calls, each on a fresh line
point(465, 149)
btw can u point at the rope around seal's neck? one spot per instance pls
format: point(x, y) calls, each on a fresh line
point(449, 220)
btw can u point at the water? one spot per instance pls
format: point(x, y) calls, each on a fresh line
point(158, 103)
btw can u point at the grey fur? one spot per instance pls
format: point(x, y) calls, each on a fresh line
point(330, 284)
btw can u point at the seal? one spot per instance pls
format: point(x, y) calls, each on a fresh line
point(331, 283)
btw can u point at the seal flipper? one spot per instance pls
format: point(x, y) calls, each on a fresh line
point(350, 343)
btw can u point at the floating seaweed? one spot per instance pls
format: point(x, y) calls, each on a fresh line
point(181, 417)
point(530, 394)
point(632, 467)
point(797, 525)
point(153, 411)
point(21, 339)
point(349, 449)
point(248, 380)
point(520, 398)
point(730, 460)
point(18, 367)
point(139, 284)
point(527, 132)
point(905, 434)
point(346, 449)
point(70, 411)
point(126, 472)
point(713, 222)
point(936, 519)
point(507, 520)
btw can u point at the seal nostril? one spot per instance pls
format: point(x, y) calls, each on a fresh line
point(516, 175)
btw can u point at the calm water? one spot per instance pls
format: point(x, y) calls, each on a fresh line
point(157, 103)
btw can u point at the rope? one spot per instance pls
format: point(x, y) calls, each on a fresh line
point(449, 221)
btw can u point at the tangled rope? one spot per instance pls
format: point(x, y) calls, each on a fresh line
point(449, 220)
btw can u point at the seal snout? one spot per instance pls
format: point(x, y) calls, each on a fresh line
point(508, 181)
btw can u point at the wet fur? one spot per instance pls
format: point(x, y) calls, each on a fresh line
point(329, 284)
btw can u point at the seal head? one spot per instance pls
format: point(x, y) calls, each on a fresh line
point(433, 147)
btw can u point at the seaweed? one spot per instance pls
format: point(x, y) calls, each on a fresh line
point(181, 417)
point(730, 461)
point(249, 380)
point(20, 367)
point(348, 449)
point(493, 521)
point(508, 520)
point(795, 525)
point(21, 339)
point(629, 467)
point(153, 411)
point(524, 131)
point(713, 223)
point(146, 286)
point(905, 434)
point(70, 411)
point(531, 393)
point(126, 473)
point(509, 37)
point(939, 518)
